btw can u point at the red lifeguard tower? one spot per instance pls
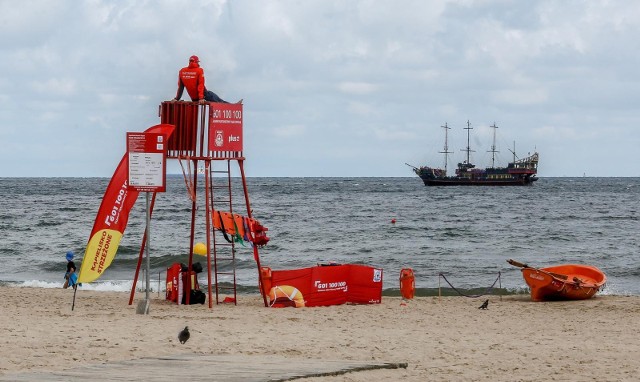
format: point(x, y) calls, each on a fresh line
point(212, 134)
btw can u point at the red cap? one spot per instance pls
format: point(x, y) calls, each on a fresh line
point(194, 58)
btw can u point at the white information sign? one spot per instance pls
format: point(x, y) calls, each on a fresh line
point(147, 161)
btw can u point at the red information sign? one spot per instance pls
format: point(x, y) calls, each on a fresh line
point(225, 127)
point(147, 155)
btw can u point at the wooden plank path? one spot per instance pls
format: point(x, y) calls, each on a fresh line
point(198, 367)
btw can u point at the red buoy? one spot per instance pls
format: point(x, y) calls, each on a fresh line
point(393, 221)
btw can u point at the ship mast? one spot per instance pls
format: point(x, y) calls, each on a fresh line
point(468, 149)
point(493, 150)
point(446, 146)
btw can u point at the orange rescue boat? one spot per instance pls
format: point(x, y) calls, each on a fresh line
point(562, 282)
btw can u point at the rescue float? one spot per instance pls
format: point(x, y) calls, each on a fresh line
point(562, 282)
point(240, 228)
point(407, 283)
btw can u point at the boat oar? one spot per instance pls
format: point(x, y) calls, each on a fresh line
point(522, 265)
point(517, 264)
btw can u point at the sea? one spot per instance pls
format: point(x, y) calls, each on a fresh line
point(455, 239)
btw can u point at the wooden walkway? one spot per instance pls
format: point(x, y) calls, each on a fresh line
point(196, 367)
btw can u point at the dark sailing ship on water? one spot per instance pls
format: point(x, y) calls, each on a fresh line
point(519, 172)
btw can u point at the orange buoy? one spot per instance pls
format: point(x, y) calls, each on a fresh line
point(265, 275)
point(407, 283)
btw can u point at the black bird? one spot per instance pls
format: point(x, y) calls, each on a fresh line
point(484, 305)
point(184, 335)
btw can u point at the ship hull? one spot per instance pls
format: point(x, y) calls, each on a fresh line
point(467, 182)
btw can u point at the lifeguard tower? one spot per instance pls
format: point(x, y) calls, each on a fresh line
point(212, 134)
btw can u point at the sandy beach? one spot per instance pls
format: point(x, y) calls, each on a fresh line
point(440, 340)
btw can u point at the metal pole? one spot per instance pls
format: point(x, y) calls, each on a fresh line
point(208, 198)
point(148, 281)
point(256, 255)
point(143, 306)
point(143, 245)
point(189, 286)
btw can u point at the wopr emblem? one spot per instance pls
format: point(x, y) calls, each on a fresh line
point(219, 141)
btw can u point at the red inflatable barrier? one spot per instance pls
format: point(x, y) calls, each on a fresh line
point(326, 285)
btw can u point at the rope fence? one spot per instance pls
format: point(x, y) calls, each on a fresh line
point(488, 290)
point(441, 276)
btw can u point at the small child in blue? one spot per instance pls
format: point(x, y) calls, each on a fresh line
point(70, 276)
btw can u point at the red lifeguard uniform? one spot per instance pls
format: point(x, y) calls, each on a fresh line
point(191, 78)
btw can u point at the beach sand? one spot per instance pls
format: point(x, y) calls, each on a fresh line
point(440, 340)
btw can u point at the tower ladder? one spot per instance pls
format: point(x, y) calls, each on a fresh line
point(224, 252)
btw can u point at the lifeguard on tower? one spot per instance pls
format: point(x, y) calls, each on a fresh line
point(191, 78)
point(212, 133)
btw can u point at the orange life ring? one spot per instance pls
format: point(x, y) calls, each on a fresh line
point(282, 296)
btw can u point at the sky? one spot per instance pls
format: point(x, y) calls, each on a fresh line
point(330, 88)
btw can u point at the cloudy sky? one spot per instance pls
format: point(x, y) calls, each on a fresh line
point(330, 88)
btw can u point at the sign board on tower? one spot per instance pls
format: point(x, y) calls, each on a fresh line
point(225, 127)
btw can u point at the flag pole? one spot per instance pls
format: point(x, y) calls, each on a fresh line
point(75, 289)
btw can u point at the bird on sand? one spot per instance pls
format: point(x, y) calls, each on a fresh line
point(484, 305)
point(184, 335)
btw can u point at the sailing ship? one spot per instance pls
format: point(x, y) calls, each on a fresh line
point(519, 172)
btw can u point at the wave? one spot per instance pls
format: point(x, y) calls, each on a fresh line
point(106, 286)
